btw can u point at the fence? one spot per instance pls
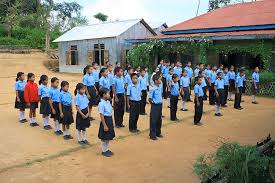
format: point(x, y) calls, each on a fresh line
point(15, 49)
point(266, 89)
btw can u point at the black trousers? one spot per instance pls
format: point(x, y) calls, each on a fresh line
point(238, 98)
point(211, 94)
point(143, 102)
point(127, 109)
point(119, 109)
point(173, 107)
point(164, 94)
point(97, 97)
point(204, 92)
point(155, 120)
point(226, 88)
point(134, 114)
point(198, 110)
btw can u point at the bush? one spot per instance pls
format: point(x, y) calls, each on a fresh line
point(9, 41)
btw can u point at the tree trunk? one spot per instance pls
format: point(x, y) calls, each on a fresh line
point(47, 41)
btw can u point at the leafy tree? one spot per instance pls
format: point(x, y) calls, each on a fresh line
point(101, 17)
point(215, 4)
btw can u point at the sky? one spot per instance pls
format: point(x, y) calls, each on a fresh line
point(168, 11)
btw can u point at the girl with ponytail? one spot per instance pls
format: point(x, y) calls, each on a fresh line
point(19, 101)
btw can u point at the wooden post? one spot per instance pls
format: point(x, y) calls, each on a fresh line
point(99, 49)
point(156, 60)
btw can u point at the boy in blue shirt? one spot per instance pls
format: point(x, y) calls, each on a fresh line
point(165, 72)
point(255, 84)
point(185, 92)
point(174, 97)
point(143, 86)
point(226, 86)
point(232, 78)
point(168, 82)
point(133, 98)
point(239, 90)
point(198, 102)
point(212, 80)
point(119, 103)
point(189, 71)
point(219, 91)
point(155, 99)
point(128, 81)
point(178, 69)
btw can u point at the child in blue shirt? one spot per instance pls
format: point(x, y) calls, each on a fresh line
point(212, 79)
point(174, 97)
point(198, 101)
point(255, 84)
point(219, 93)
point(95, 75)
point(178, 69)
point(231, 77)
point(203, 84)
point(168, 82)
point(128, 81)
point(189, 71)
point(66, 110)
point(155, 99)
point(143, 86)
point(185, 92)
point(111, 80)
point(134, 98)
point(82, 117)
point(226, 86)
point(44, 94)
point(106, 129)
point(19, 101)
point(54, 103)
point(104, 81)
point(239, 90)
point(119, 102)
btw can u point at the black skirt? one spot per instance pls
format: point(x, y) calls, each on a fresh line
point(68, 115)
point(231, 85)
point(45, 107)
point(219, 99)
point(109, 135)
point(22, 104)
point(253, 89)
point(56, 116)
point(186, 95)
point(92, 92)
point(82, 124)
point(33, 105)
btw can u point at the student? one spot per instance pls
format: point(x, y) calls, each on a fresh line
point(189, 71)
point(161, 63)
point(185, 92)
point(168, 83)
point(239, 90)
point(19, 101)
point(90, 88)
point(95, 74)
point(127, 69)
point(212, 80)
point(156, 70)
point(174, 97)
point(220, 69)
point(82, 117)
point(207, 71)
point(155, 99)
point(44, 94)
point(111, 80)
point(133, 99)
point(119, 103)
point(231, 77)
point(137, 71)
point(66, 110)
point(143, 86)
point(203, 84)
point(54, 103)
point(198, 102)
point(226, 86)
point(255, 84)
point(104, 81)
point(128, 81)
point(196, 71)
point(147, 77)
point(31, 98)
point(178, 69)
point(106, 129)
point(165, 72)
point(219, 92)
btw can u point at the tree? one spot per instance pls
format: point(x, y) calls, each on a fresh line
point(101, 17)
point(215, 4)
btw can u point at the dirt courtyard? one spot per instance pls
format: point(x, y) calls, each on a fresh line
point(31, 155)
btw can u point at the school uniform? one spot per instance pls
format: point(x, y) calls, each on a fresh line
point(105, 108)
point(143, 87)
point(44, 93)
point(196, 74)
point(66, 104)
point(174, 98)
point(82, 102)
point(207, 73)
point(95, 75)
point(89, 82)
point(165, 73)
point(231, 77)
point(19, 87)
point(104, 82)
point(184, 83)
point(213, 77)
point(155, 95)
point(238, 96)
point(55, 97)
point(198, 108)
point(226, 88)
point(256, 79)
point(189, 71)
point(128, 81)
point(178, 71)
point(119, 106)
point(204, 88)
point(151, 79)
point(111, 81)
point(219, 84)
point(220, 70)
point(31, 95)
point(134, 94)
point(147, 78)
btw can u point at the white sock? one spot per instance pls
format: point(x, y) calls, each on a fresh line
point(183, 105)
point(23, 114)
point(216, 109)
point(56, 124)
point(79, 137)
point(105, 145)
point(84, 135)
point(229, 95)
point(168, 101)
point(68, 132)
point(45, 121)
point(33, 120)
point(253, 98)
point(219, 109)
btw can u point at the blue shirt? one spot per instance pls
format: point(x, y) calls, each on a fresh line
point(155, 94)
point(20, 85)
point(169, 79)
point(207, 72)
point(55, 94)
point(44, 91)
point(142, 83)
point(231, 75)
point(239, 81)
point(178, 71)
point(95, 74)
point(151, 79)
point(165, 71)
point(88, 80)
point(134, 92)
point(256, 77)
point(213, 76)
point(203, 83)
point(104, 82)
point(81, 101)
point(184, 81)
point(147, 77)
point(105, 108)
point(196, 72)
point(128, 79)
point(219, 70)
point(119, 84)
point(189, 71)
point(175, 89)
point(111, 78)
point(66, 98)
point(219, 83)
point(226, 79)
point(198, 90)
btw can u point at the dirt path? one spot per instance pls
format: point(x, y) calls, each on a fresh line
point(34, 155)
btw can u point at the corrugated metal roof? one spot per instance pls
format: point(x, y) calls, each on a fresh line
point(156, 25)
point(96, 31)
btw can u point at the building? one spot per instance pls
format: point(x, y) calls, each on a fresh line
point(239, 25)
point(99, 43)
point(158, 27)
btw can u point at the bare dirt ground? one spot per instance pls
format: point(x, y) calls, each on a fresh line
point(35, 155)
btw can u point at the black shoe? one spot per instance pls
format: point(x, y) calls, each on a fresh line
point(70, 137)
point(143, 114)
point(22, 121)
point(255, 102)
point(135, 131)
point(25, 120)
point(153, 138)
point(81, 143)
point(160, 136)
point(32, 124)
point(35, 124)
point(86, 142)
point(224, 105)
point(218, 114)
point(118, 126)
point(66, 137)
point(198, 124)
point(184, 109)
point(106, 154)
point(60, 132)
point(46, 127)
point(110, 152)
point(49, 127)
point(57, 133)
point(122, 126)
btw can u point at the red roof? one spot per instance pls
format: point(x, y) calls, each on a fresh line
point(242, 14)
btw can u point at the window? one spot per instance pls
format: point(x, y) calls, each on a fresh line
point(101, 56)
point(72, 56)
